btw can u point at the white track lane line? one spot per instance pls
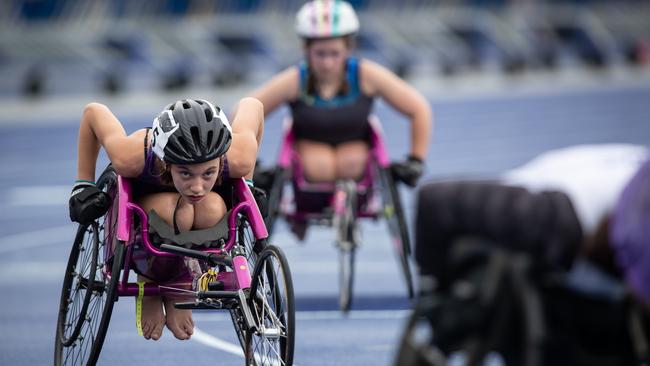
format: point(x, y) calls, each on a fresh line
point(214, 342)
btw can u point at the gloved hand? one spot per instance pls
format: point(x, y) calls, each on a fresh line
point(263, 177)
point(87, 203)
point(261, 200)
point(408, 171)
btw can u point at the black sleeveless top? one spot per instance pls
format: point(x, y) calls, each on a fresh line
point(336, 120)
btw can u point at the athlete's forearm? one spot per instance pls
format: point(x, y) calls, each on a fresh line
point(421, 127)
point(87, 146)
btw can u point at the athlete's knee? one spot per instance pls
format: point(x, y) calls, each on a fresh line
point(209, 211)
point(161, 203)
point(318, 169)
point(351, 168)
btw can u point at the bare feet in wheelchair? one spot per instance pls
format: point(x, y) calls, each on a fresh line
point(299, 228)
point(179, 321)
point(153, 318)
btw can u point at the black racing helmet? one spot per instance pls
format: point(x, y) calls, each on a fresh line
point(191, 131)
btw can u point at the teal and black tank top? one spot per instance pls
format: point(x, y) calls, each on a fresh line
point(336, 120)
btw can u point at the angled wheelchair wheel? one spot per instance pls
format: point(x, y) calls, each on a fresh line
point(89, 288)
point(272, 305)
point(274, 195)
point(492, 315)
point(396, 221)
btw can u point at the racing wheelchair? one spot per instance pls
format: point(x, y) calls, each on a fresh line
point(341, 205)
point(238, 272)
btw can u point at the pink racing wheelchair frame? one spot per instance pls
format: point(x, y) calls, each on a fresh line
point(238, 279)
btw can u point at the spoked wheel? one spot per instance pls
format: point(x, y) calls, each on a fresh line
point(89, 288)
point(252, 247)
point(272, 305)
point(345, 226)
point(396, 220)
point(275, 197)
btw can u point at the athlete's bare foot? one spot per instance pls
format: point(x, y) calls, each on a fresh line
point(179, 321)
point(153, 318)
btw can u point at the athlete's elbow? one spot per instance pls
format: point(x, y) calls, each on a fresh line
point(125, 168)
point(239, 166)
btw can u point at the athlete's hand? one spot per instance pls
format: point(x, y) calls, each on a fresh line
point(261, 200)
point(408, 171)
point(87, 203)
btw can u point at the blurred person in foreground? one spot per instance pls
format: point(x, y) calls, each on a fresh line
point(586, 201)
point(330, 95)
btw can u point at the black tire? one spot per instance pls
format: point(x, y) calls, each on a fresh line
point(346, 277)
point(272, 305)
point(347, 245)
point(396, 221)
point(274, 195)
point(80, 334)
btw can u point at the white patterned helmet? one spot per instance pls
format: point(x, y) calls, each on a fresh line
point(326, 19)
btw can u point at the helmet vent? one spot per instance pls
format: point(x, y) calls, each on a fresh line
point(183, 143)
point(196, 136)
point(186, 105)
point(208, 114)
point(210, 136)
point(220, 138)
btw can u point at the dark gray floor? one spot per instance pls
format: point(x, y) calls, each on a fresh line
point(474, 137)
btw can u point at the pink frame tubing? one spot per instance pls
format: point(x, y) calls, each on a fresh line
point(238, 279)
point(289, 159)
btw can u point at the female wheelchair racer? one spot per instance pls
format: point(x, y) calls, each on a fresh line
point(175, 181)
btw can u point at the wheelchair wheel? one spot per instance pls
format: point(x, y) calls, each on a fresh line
point(345, 226)
point(275, 197)
point(89, 288)
point(272, 305)
point(396, 220)
point(346, 278)
point(492, 315)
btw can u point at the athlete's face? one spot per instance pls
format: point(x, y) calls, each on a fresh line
point(327, 58)
point(194, 181)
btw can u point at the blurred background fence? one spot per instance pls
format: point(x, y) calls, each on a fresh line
point(65, 47)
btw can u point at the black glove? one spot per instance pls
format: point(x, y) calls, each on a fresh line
point(87, 203)
point(262, 201)
point(263, 177)
point(408, 171)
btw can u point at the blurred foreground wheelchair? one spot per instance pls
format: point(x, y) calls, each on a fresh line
point(500, 303)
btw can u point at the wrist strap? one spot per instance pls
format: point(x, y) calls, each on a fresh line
point(83, 181)
point(412, 157)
